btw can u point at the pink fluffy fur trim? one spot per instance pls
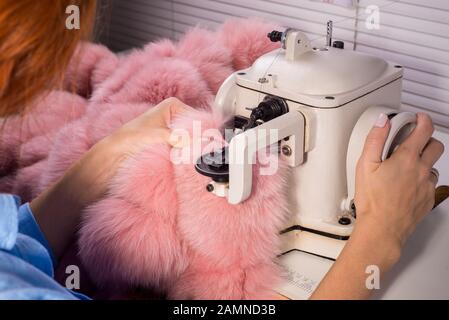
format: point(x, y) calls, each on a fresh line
point(166, 231)
point(246, 39)
point(90, 66)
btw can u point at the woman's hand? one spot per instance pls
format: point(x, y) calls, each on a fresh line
point(393, 196)
point(100, 164)
point(58, 209)
point(391, 199)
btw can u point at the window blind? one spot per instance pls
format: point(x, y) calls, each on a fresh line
point(413, 33)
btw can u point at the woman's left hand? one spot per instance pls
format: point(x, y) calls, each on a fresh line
point(58, 209)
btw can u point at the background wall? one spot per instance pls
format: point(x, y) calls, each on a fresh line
point(413, 33)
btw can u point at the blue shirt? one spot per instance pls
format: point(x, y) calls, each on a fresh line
point(26, 260)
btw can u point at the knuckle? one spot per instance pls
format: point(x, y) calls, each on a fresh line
point(409, 158)
point(423, 172)
point(407, 151)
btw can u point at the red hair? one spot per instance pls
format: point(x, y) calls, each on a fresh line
point(36, 47)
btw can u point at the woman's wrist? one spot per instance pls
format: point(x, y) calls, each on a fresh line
point(381, 246)
point(367, 247)
point(58, 209)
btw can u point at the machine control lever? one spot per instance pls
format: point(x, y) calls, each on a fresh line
point(271, 107)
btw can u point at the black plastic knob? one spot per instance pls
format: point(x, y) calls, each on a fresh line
point(275, 36)
point(214, 165)
point(344, 221)
point(339, 44)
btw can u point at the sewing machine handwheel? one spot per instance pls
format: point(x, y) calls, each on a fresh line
point(401, 125)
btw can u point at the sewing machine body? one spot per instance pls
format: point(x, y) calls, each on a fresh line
point(334, 92)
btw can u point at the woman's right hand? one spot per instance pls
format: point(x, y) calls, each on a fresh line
point(394, 195)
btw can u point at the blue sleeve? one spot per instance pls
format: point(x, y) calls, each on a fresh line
point(26, 261)
point(30, 244)
point(28, 226)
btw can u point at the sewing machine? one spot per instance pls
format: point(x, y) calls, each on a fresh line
point(318, 105)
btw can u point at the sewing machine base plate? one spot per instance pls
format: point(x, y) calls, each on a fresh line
point(306, 259)
point(304, 272)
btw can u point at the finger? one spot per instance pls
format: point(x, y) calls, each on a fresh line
point(172, 107)
point(433, 176)
point(375, 141)
point(432, 152)
point(168, 104)
point(420, 136)
point(178, 106)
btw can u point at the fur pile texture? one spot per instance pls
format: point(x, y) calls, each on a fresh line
point(157, 227)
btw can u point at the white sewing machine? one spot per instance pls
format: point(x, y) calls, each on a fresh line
point(320, 104)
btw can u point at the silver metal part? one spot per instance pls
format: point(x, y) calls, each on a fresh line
point(284, 38)
point(329, 33)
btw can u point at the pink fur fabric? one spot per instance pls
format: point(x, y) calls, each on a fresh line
point(157, 227)
point(26, 141)
point(198, 246)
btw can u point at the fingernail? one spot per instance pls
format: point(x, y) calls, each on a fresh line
point(381, 121)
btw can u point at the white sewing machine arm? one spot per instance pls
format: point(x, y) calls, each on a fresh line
point(244, 146)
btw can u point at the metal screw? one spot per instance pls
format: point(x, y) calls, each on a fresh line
point(286, 151)
point(210, 187)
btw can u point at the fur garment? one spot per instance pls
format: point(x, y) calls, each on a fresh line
point(157, 227)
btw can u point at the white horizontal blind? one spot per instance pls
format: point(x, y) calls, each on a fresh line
point(135, 22)
point(413, 33)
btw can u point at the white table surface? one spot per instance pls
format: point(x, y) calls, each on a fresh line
point(423, 271)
